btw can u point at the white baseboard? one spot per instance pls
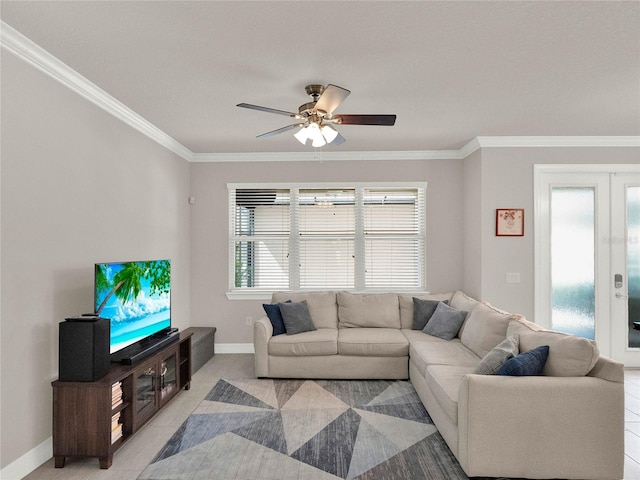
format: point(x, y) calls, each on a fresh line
point(28, 462)
point(234, 348)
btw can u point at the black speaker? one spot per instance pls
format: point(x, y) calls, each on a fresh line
point(83, 354)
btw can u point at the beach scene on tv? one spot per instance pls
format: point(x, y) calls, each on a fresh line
point(136, 297)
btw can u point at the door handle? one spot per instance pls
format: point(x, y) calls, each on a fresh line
point(619, 295)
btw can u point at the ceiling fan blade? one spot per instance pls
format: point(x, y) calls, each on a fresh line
point(331, 98)
point(385, 120)
point(280, 130)
point(339, 140)
point(267, 109)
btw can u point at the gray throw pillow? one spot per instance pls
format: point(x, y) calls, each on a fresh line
point(423, 311)
point(445, 322)
point(296, 317)
point(492, 361)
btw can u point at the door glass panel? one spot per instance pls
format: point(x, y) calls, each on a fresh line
point(633, 263)
point(573, 260)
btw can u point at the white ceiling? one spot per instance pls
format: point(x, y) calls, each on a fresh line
point(451, 71)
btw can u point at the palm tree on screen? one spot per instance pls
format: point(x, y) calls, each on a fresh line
point(126, 283)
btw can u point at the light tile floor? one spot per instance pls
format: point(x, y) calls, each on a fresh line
point(137, 453)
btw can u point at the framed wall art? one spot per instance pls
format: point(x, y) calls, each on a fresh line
point(509, 222)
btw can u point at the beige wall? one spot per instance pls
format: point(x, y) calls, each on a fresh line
point(472, 238)
point(78, 187)
point(505, 180)
point(210, 227)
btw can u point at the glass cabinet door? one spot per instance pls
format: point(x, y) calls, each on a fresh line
point(168, 378)
point(145, 401)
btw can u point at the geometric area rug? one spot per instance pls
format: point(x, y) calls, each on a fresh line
point(264, 429)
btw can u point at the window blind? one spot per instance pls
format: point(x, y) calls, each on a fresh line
point(327, 237)
point(394, 243)
point(261, 226)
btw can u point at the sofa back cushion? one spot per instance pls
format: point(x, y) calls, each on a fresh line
point(569, 355)
point(372, 310)
point(484, 328)
point(322, 306)
point(462, 301)
point(406, 305)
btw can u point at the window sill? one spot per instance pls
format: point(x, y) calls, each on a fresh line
point(260, 295)
point(266, 295)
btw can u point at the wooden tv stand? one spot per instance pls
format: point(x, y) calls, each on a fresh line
point(94, 419)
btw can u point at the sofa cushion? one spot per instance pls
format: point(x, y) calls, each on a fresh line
point(445, 322)
point(425, 354)
point(484, 328)
point(569, 355)
point(415, 336)
point(323, 341)
point(444, 382)
point(369, 310)
point(527, 363)
point(376, 342)
point(462, 301)
point(296, 317)
point(493, 360)
point(322, 306)
point(406, 304)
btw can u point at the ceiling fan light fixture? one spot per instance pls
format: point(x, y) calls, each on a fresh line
point(318, 141)
point(329, 133)
point(315, 134)
point(302, 135)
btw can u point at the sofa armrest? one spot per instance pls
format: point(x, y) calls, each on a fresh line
point(262, 332)
point(541, 427)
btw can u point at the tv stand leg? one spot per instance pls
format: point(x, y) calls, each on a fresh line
point(105, 462)
point(59, 461)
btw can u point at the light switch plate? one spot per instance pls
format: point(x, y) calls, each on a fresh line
point(512, 277)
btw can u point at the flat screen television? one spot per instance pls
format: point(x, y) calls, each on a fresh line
point(135, 297)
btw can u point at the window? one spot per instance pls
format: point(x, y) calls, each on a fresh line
point(313, 237)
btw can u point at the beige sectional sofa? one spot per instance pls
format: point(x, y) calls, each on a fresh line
point(566, 423)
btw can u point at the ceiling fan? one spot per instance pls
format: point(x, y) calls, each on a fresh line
point(316, 117)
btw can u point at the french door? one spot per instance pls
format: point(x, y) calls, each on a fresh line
point(625, 262)
point(588, 254)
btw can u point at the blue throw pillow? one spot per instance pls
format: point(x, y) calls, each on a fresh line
point(275, 317)
point(527, 363)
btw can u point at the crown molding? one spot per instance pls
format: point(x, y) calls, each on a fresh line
point(31, 53)
point(326, 156)
point(557, 141)
point(473, 145)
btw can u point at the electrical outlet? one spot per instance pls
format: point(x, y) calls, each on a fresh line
point(249, 321)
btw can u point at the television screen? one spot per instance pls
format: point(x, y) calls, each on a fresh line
point(136, 297)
